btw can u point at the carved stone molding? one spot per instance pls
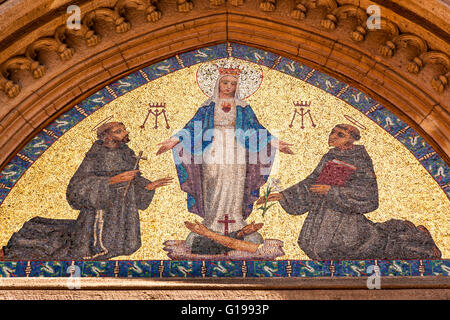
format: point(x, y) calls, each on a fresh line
point(337, 11)
point(118, 22)
point(114, 16)
point(235, 3)
point(50, 44)
point(268, 5)
point(10, 88)
point(22, 63)
point(184, 5)
point(343, 12)
point(302, 6)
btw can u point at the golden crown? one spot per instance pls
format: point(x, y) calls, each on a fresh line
point(230, 71)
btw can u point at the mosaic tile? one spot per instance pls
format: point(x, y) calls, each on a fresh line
point(135, 269)
point(65, 122)
point(10, 174)
point(421, 268)
point(438, 169)
point(128, 83)
point(387, 120)
point(307, 268)
point(412, 141)
point(254, 55)
point(3, 193)
point(440, 267)
point(94, 102)
point(395, 268)
point(265, 269)
point(48, 268)
point(224, 269)
point(192, 269)
point(12, 269)
point(182, 269)
point(293, 68)
point(162, 68)
point(203, 55)
point(157, 268)
point(354, 268)
point(37, 145)
point(358, 99)
point(327, 83)
point(98, 268)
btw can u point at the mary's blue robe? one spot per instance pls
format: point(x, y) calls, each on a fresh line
point(195, 138)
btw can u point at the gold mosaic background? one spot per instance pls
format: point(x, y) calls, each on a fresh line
point(406, 189)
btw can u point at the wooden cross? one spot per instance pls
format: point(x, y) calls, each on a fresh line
point(226, 222)
point(139, 158)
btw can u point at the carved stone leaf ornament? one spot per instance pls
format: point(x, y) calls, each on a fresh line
point(116, 18)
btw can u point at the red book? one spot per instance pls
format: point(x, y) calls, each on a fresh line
point(336, 173)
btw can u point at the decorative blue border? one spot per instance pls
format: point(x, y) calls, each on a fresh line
point(423, 152)
point(224, 269)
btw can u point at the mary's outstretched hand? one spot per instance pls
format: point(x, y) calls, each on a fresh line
point(167, 145)
point(282, 146)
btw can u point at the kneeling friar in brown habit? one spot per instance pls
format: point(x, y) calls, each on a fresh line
point(336, 196)
point(108, 190)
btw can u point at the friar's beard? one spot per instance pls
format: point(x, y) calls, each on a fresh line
point(125, 140)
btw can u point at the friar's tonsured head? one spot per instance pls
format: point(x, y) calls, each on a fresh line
point(113, 134)
point(343, 136)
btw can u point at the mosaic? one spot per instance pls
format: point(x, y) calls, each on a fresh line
point(227, 161)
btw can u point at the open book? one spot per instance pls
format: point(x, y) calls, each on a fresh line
point(336, 173)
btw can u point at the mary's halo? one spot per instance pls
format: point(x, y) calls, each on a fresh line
point(249, 80)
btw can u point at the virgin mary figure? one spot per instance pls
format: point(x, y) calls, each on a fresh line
point(223, 155)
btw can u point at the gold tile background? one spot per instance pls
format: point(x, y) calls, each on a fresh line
point(406, 189)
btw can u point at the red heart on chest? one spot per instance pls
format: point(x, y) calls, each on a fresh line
point(226, 108)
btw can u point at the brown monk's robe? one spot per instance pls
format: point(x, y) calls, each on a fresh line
point(336, 228)
point(89, 191)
